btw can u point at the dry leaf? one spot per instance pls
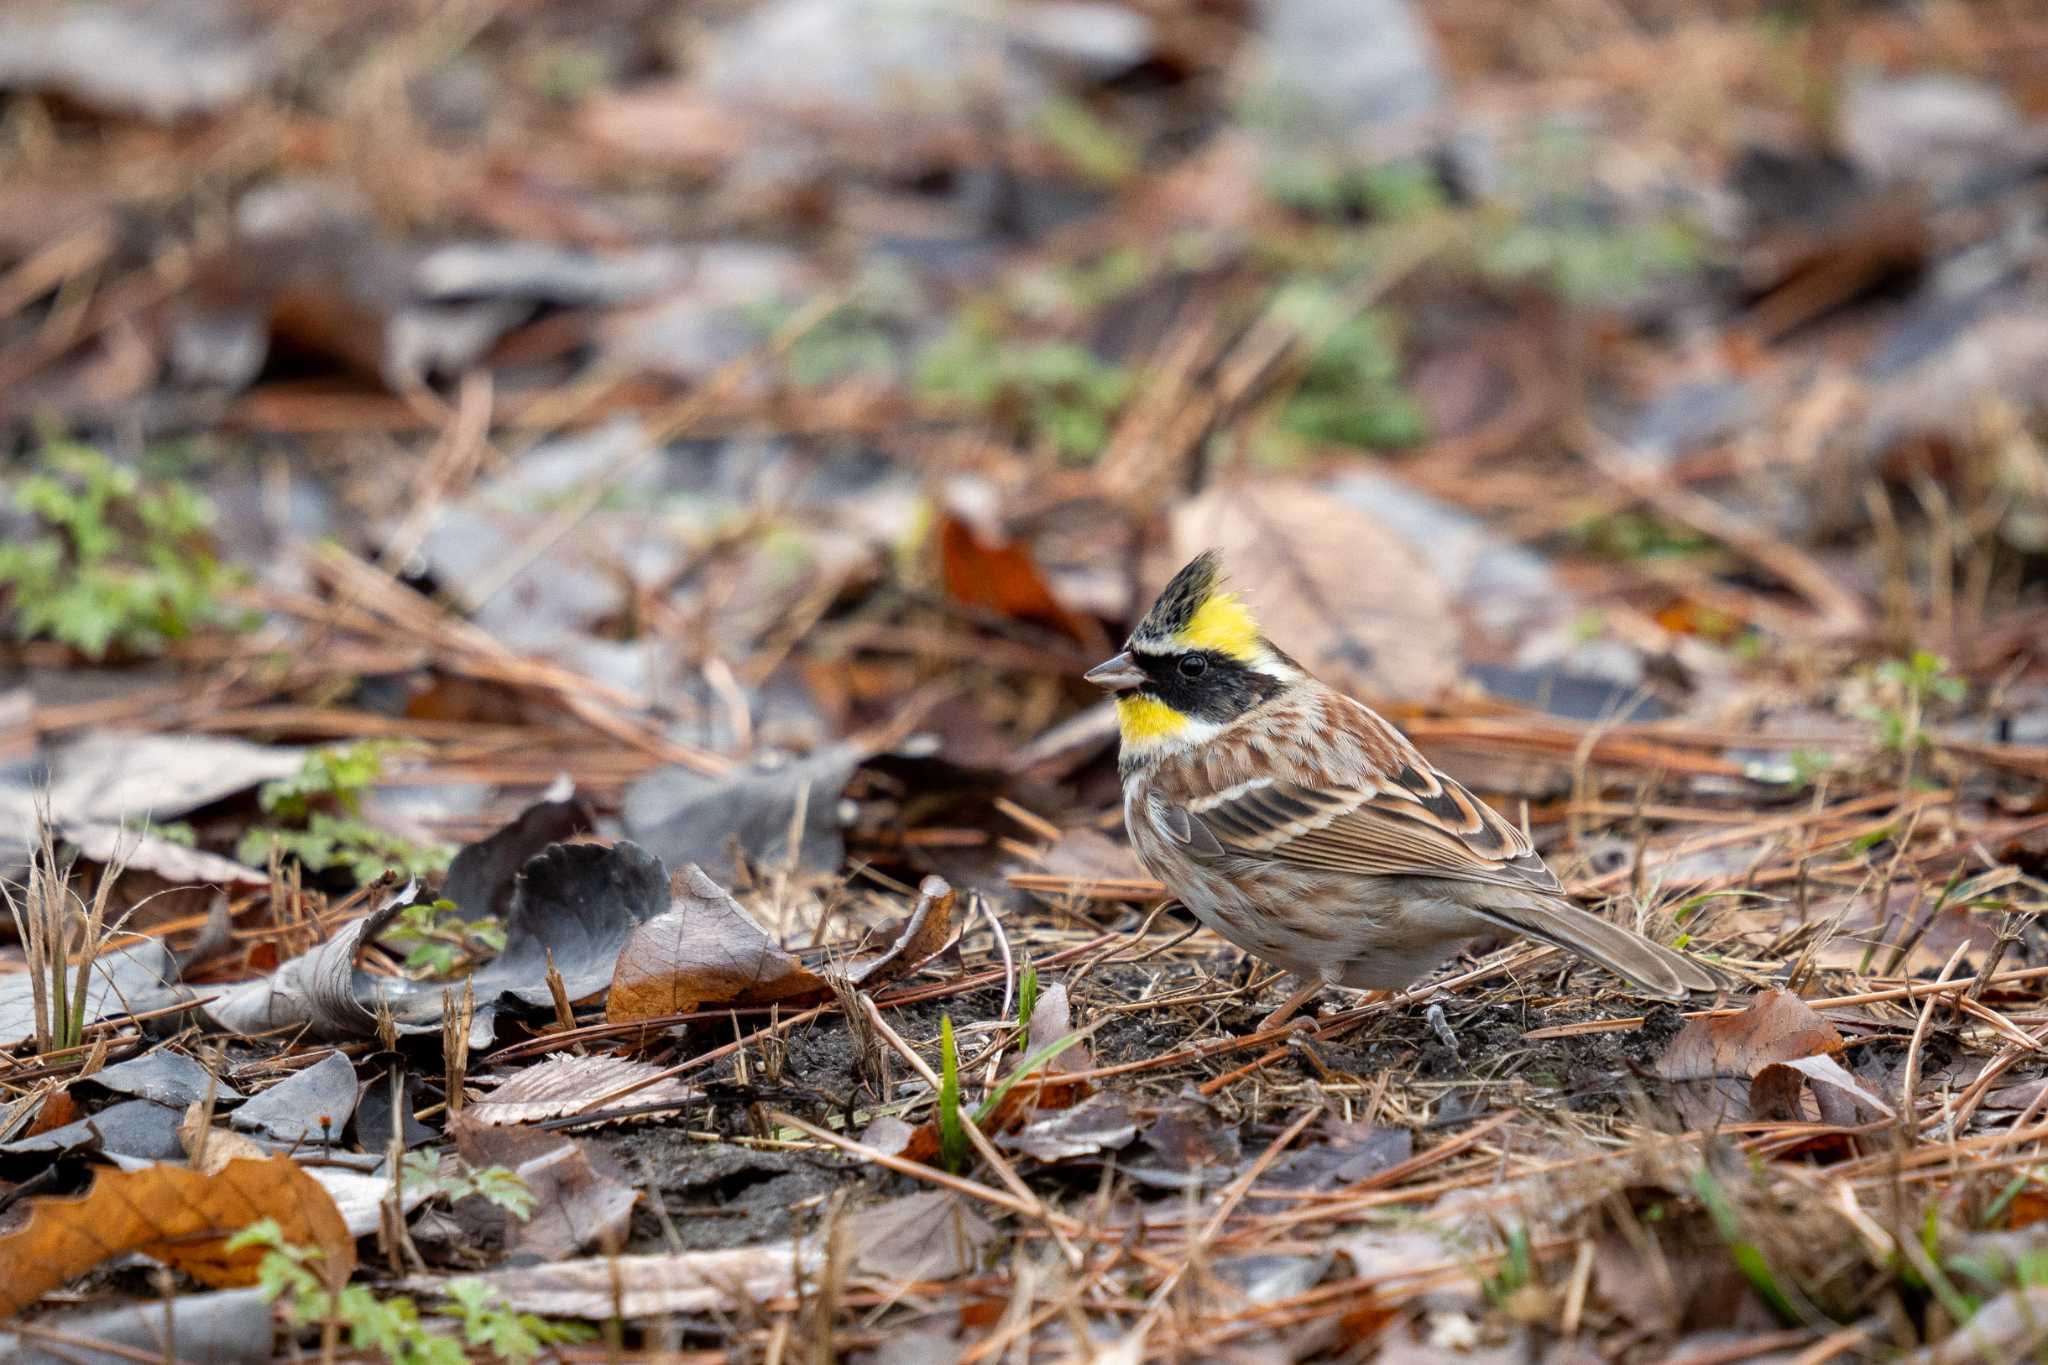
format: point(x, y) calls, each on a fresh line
point(579, 1201)
point(889, 1134)
point(1002, 578)
point(923, 934)
point(176, 1215)
point(310, 1105)
point(576, 903)
point(166, 1077)
point(117, 777)
point(135, 851)
point(1716, 1060)
point(57, 1110)
point(683, 816)
point(564, 1084)
point(1097, 1124)
point(483, 878)
point(627, 1287)
point(1839, 1097)
point(930, 1235)
point(1777, 1028)
point(1051, 1020)
point(210, 1149)
point(705, 951)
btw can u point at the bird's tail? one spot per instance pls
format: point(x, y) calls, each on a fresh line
point(1661, 971)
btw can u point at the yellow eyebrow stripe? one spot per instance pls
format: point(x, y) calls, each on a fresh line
point(1224, 624)
point(1147, 720)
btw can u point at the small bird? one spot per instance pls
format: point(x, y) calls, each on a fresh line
point(1305, 829)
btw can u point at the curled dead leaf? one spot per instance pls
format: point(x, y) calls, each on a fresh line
point(1719, 1061)
point(923, 934)
point(1779, 1027)
point(1838, 1096)
point(176, 1215)
point(705, 952)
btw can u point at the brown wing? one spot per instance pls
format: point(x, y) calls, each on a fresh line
point(1379, 808)
point(1396, 816)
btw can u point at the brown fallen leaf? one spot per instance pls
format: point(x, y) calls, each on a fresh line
point(1051, 1020)
point(1715, 1059)
point(705, 951)
point(1779, 1027)
point(564, 1083)
point(58, 1109)
point(1838, 1096)
point(210, 1149)
point(580, 1203)
point(923, 934)
point(176, 1215)
point(930, 1235)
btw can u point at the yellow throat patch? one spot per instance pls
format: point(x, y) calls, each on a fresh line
point(1224, 624)
point(1147, 720)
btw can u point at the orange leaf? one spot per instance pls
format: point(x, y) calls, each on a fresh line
point(2026, 1209)
point(58, 1110)
point(178, 1216)
point(1002, 578)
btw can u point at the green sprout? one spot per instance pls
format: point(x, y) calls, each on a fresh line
point(439, 943)
point(319, 806)
point(1027, 997)
point(498, 1185)
point(952, 1136)
point(119, 562)
point(392, 1327)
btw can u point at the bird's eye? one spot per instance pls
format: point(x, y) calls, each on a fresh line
point(1193, 665)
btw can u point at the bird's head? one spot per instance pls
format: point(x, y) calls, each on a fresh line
point(1196, 662)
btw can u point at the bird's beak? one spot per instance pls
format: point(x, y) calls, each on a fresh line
point(1115, 675)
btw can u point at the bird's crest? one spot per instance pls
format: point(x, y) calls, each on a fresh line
point(1195, 612)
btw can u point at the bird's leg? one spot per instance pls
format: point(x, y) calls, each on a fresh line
point(1310, 987)
point(1441, 1027)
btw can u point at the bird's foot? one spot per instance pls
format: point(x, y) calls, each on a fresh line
point(1441, 1027)
point(1310, 988)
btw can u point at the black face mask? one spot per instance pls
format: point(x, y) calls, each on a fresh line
point(1204, 683)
